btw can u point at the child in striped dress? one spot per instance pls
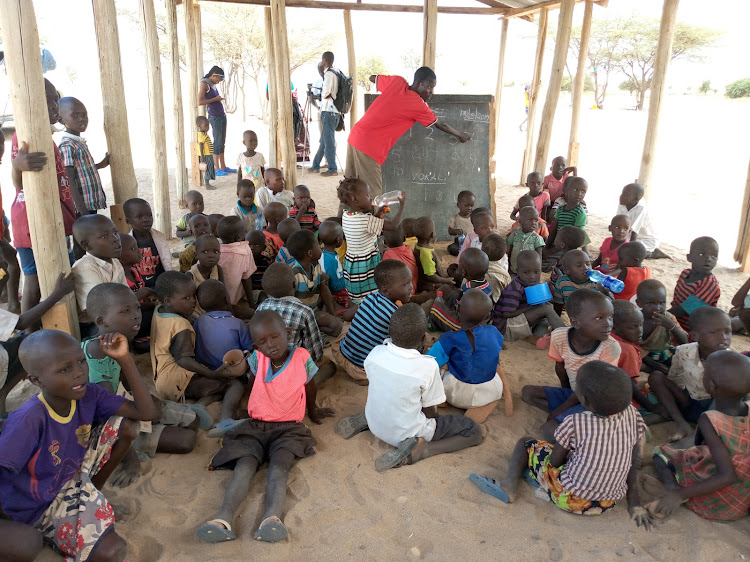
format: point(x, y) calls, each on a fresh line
point(697, 286)
point(362, 224)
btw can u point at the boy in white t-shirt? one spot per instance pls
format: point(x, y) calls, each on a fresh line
point(404, 391)
point(641, 226)
point(251, 164)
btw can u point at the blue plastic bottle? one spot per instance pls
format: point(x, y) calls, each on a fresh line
point(260, 222)
point(608, 282)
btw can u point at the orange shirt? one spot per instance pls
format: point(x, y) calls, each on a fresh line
point(632, 280)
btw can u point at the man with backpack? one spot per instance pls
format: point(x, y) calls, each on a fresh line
point(330, 117)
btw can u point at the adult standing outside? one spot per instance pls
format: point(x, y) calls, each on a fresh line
point(329, 118)
point(209, 96)
point(393, 113)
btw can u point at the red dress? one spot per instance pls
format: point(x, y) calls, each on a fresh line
point(608, 256)
point(632, 280)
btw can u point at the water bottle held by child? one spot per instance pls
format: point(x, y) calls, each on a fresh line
point(387, 198)
point(439, 298)
point(608, 282)
point(260, 222)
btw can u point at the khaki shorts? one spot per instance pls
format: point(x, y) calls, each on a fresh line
point(360, 165)
point(357, 373)
point(172, 381)
point(517, 328)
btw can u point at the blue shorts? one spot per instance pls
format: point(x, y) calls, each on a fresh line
point(28, 263)
point(556, 397)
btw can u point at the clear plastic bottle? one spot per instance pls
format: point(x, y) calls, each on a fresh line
point(608, 282)
point(439, 298)
point(387, 198)
point(260, 222)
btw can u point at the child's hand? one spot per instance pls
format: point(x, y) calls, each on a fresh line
point(402, 199)
point(29, 161)
point(663, 320)
point(146, 294)
point(668, 503)
point(379, 212)
point(105, 161)
point(640, 515)
point(114, 345)
point(316, 415)
point(64, 284)
point(221, 372)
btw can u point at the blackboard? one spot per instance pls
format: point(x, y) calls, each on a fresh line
point(433, 167)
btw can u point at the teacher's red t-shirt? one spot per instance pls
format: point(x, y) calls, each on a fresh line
point(394, 111)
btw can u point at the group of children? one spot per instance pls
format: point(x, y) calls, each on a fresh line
point(261, 292)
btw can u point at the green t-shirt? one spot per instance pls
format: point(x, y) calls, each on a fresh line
point(102, 370)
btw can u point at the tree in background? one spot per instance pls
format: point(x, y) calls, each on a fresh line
point(412, 60)
point(366, 68)
point(603, 44)
point(705, 87)
point(738, 89)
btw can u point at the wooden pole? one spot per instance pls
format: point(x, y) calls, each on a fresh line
point(658, 89)
point(180, 171)
point(162, 218)
point(534, 87)
point(562, 41)
point(430, 33)
point(352, 58)
point(283, 80)
point(196, 177)
point(273, 102)
point(116, 129)
point(742, 251)
point(198, 32)
point(499, 85)
point(578, 84)
point(26, 85)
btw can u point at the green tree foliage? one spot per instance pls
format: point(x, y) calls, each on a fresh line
point(367, 67)
point(705, 87)
point(738, 89)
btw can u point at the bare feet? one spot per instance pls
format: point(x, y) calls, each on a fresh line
point(683, 430)
point(128, 472)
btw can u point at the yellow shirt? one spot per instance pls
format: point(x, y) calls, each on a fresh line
point(208, 145)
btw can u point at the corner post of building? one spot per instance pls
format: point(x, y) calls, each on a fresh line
point(430, 33)
point(273, 102)
point(534, 87)
point(578, 84)
point(180, 170)
point(499, 85)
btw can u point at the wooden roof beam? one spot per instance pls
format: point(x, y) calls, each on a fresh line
point(332, 5)
point(550, 5)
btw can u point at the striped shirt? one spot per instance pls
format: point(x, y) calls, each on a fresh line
point(308, 221)
point(570, 217)
point(284, 256)
point(561, 351)
point(690, 296)
point(300, 319)
point(369, 327)
point(520, 241)
point(308, 287)
point(512, 298)
point(75, 154)
point(481, 284)
point(564, 286)
point(361, 231)
point(601, 452)
point(208, 145)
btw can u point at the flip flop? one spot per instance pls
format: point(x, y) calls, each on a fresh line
point(489, 486)
point(205, 421)
point(223, 427)
point(271, 530)
point(351, 425)
point(529, 479)
point(396, 457)
point(215, 533)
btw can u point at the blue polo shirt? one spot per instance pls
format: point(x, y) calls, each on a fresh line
point(216, 333)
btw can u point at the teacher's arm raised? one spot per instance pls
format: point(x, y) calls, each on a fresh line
point(463, 137)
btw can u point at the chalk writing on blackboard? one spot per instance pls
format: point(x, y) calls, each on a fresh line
point(474, 115)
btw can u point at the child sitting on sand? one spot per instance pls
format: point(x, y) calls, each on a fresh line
point(209, 253)
point(432, 273)
point(553, 182)
point(471, 379)
point(641, 225)
point(155, 255)
point(237, 265)
point(246, 208)
point(472, 266)
point(541, 228)
point(740, 311)
point(285, 229)
point(587, 339)
point(682, 392)
point(194, 200)
point(661, 331)
point(257, 242)
point(540, 198)
point(569, 238)
point(283, 387)
point(697, 286)
point(331, 236)
point(303, 210)
point(630, 269)
point(572, 212)
point(459, 225)
point(199, 225)
point(60, 447)
point(525, 238)
point(712, 478)
point(411, 423)
point(575, 264)
point(397, 250)
point(370, 324)
point(497, 276)
point(482, 224)
point(606, 261)
point(273, 190)
point(512, 315)
point(273, 213)
point(596, 456)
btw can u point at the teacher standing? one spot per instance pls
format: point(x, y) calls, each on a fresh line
point(392, 113)
point(209, 96)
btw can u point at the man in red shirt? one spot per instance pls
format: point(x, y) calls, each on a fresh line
point(393, 113)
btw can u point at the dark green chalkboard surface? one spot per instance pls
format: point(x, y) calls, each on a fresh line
point(433, 167)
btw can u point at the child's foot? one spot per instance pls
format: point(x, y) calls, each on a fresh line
point(271, 530)
point(205, 421)
point(208, 185)
point(216, 530)
point(683, 430)
point(405, 453)
point(127, 473)
point(492, 487)
point(351, 425)
point(220, 429)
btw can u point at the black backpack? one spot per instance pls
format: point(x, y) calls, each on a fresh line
point(345, 92)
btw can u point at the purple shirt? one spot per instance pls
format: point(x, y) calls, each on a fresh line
point(512, 298)
point(40, 450)
point(215, 108)
point(216, 333)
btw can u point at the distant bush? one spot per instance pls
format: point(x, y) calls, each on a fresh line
point(567, 84)
point(627, 86)
point(738, 89)
point(588, 83)
point(705, 87)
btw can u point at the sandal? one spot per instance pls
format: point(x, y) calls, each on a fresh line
point(205, 421)
point(351, 425)
point(215, 533)
point(271, 530)
point(401, 455)
point(220, 429)
point(489, 486)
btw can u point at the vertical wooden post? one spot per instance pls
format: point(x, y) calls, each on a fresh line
point(562, 41)
point(26, 84)
point(193, 78)
point(742, 251)
point(658, 88)
point(162, 218)
point(534, 87)
point(578, 84)
point(198, 33)
point(116, 129)
point(352, 58)
point(180, 171)
point(430, 34)
point(273, 102)
point(283, 80)
point(499, 85)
